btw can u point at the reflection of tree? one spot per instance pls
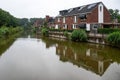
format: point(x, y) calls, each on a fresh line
point(7, 42)
point(96, 58)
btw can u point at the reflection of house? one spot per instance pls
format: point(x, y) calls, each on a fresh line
point(87, 59)
point(92, 57)
point(86, 17)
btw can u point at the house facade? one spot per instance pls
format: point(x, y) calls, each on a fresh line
point(50, 21)
point(87, 17)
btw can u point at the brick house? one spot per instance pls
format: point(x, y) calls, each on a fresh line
point(50, 21)
point(88, 17)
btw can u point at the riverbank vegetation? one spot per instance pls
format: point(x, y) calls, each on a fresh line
point(114, 39)
point(8, 24)
point(79, 35)
point(5, 31)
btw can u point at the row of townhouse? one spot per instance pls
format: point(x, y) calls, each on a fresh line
point(89, 17)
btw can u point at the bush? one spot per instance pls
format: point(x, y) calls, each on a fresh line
point(45, 32)
point(114, 39)
point(67, 35)
point(79, 35)
point(5, 31)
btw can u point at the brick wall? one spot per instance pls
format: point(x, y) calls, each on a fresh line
point(91, 18)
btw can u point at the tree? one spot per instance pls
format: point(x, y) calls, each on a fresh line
point(114, 14)
point(7, 19)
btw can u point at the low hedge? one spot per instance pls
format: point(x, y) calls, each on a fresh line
point(61, 30)
point(107, 30)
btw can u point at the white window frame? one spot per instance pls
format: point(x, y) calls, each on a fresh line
point(58, 19)
point(63, 19)
point(65, 26)
point(75, 19)
point(74, 26)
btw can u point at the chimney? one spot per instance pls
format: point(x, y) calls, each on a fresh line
point(47, 18)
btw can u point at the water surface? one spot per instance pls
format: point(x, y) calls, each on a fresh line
point(51, 59)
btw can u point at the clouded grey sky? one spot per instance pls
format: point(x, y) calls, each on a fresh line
point(40, 8)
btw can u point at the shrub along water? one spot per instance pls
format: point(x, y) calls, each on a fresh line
point(5, 31)
point(114, 39)
point(67, 35)
point(45, 32)
point(79, 35)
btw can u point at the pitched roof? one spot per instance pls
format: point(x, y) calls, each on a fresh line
point(77, 10)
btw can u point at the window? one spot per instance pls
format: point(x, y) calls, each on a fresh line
point(58, 19)
point(65, 26)
point(74, 26)
point(75, 19)
point(63, 19)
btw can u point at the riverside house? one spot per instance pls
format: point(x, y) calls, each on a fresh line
point(89, 17)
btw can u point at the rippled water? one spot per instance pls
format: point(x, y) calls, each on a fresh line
point(51, 59)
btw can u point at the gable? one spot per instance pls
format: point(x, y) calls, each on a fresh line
point(79, 10)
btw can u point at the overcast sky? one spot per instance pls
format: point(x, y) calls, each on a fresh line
point(40, 8)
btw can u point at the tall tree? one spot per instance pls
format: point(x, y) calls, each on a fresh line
point(114, 14)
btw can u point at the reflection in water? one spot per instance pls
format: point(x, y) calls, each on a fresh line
point(5, 43)
point(50, 59)
point(94, 57)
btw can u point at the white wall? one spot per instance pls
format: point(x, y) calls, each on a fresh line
point(88, 27)
point(100, 13)
point(63, 19)
point(56, 26)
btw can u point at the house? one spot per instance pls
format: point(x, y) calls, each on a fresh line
point(89, 17)
point(37, 23)
point(50, 21)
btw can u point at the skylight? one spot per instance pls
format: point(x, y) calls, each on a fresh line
point(90, 6)
point(70, 10)
point(81, 8)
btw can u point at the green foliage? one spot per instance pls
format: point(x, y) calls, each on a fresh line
point(5, 31)
point(114, 14)
point(67, 35)
point(114, 38)
point(107, 30)
point(79, 35)
point(45, 32)
point(7, 19)
point(33, 29)
point(60, 30)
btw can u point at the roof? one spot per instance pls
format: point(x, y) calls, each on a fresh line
point(79, 10)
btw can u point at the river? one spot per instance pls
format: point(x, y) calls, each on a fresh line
point(36, 58)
